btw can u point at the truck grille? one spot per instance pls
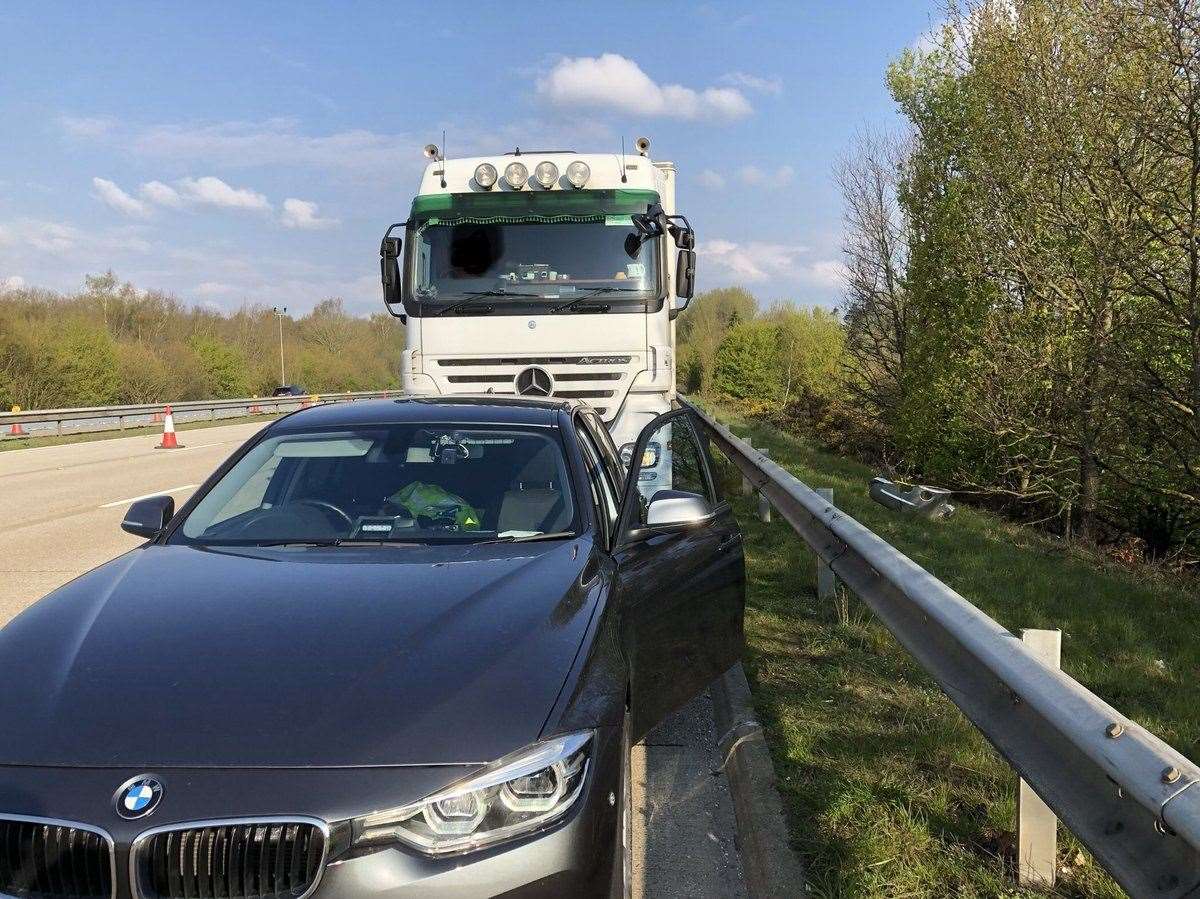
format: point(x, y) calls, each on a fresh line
point(541, 360)
point(251, 860)
point(43, 860)
point(590, 378)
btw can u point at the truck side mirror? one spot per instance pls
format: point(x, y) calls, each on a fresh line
point(685, 278)
point(389, 269)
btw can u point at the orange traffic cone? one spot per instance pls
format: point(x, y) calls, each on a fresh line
point(156, 418)
point(168, 438)
point(16, 430)
point(255, 408)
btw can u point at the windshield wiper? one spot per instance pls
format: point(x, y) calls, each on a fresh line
point(474, 295)
point(603, 307)
point(336, 541)
point(529, 538)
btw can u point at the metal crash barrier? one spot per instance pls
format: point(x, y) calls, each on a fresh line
point(915, 499)
point(1127, 795)
point(108, 418)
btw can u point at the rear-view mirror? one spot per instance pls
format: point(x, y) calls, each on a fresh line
point(389, 269)
point(148, 517)
point(685, 279)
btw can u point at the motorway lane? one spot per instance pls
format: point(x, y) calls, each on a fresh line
point(61, 506)
point(60, 515)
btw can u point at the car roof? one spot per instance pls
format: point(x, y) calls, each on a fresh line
point(464, 409)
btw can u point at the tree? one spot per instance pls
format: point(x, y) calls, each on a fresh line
point(875, 245)
point(703, 325)
point(747, 363)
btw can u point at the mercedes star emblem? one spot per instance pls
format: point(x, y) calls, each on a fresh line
point(534, 381)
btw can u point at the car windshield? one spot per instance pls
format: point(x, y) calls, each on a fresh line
point(513, 266)
point(425, 483)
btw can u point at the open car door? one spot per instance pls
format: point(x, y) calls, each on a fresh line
point(680, 570)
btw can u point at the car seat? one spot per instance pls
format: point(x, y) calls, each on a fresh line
point(536, 501)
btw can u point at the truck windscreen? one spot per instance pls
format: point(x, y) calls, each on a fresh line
point(488, 256)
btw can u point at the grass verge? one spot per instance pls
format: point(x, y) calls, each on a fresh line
point(17, 443)
point(889, 790)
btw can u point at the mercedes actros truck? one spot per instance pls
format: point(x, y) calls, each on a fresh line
point(544, 273)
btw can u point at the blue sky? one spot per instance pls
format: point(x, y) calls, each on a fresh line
point(254, 152)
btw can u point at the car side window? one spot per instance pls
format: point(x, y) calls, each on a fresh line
point(673, 460)
point(609, 455)
point(602, 487)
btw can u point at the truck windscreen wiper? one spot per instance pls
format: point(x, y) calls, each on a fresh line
point(571, 304)
point(472, 296)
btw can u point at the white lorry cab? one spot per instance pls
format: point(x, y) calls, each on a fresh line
point(544, 273)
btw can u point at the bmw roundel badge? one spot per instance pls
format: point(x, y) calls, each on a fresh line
point(138, 797)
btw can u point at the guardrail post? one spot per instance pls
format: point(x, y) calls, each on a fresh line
point(1037, 826)
point(747, 487)
point(764, 506)
point(826, 579)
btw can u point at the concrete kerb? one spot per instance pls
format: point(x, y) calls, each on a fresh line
point(770, 866)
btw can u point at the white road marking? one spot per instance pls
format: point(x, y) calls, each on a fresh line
point(134, 499)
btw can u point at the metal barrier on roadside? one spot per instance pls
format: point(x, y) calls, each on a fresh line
point(122, 415)
point(1127, 795)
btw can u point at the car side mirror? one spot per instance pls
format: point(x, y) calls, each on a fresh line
point(148, 517)
point(676, 508)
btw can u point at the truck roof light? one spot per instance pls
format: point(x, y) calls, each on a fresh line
point(578, 173)
point(485, 175)
point(516, 175)
point(546, 174)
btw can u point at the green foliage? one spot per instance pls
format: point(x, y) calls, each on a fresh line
point(1037, 342)
point(112, 343)
point(224, 368)
point(703, 325)
point(747, 364)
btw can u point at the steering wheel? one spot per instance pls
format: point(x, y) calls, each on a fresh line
point(326, 507)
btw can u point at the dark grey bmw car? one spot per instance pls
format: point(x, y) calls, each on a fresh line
point(389, 649)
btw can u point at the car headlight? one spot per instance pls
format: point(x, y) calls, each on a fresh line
point(519, 794)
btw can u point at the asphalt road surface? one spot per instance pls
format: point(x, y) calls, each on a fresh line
point(60, 514)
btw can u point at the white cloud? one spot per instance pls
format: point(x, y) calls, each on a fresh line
point(277, 142)
point(712, 180)
point(86, 126)
point(613, 81)
point(161, 194)
point(112, 196)
point(773, 86)
point(303, 214)
point(211, 191)
point(213, 288)
point(757, 177)
point(827, 273)
point(12, 282)
point(90, 247)
point(752, 261)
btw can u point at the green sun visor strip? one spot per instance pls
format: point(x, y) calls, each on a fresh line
point(527, 205)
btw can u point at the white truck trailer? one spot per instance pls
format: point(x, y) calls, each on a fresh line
point(545, 273)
